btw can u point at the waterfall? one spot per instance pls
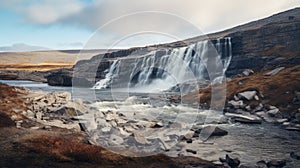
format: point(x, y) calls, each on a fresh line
point(165, 68)
point(112, 72)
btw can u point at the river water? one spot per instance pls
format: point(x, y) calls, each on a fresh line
point(250, 143)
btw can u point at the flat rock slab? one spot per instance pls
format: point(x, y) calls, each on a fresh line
point(249, 119)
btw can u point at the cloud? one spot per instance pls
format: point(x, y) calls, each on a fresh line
point(45, 11)
point(194, 15)
point(21, 47)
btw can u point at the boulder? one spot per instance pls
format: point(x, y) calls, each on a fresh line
point(276, 163)
point(273, 112)
point(247, 72)
point(209, 131)
point(236, 104)
point(247, 95)
point(274, 71)
point(231, 162)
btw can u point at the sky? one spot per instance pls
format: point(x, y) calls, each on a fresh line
point(86, 24)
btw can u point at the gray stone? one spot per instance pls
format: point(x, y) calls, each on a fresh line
point(290, 128)
point(247, 72)
point(129, 128)
point(209, 131)
point(140, 139)
point(282, 120)
point(273, 112)
point(38, 115)
point(111, 116)
point(248, 95)
point(189, 135)
point(236, 104)
point(34, 128)
point(106, 129)
point(265, 116)
point(286, 123)
point(236, 98)
point(158, 124)
point(30, 114)
point(248, 108)
point(276, 163)
point(274, 71)
point(244, 118)
point(116, 140)
point(256, 97)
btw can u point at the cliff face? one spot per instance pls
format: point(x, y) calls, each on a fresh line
point(259, 45)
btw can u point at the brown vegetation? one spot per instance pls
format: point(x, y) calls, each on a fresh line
point(278, 90)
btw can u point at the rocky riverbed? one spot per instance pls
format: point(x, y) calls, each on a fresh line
point(132, 127)
point(41, 129)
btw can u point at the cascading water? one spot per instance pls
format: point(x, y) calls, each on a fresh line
point(112, 72)
point(195, 62)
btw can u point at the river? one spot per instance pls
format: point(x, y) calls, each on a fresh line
point(250, 143)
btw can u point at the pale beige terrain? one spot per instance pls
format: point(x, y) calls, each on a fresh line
point(44, 60)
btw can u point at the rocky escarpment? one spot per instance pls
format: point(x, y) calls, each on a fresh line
point(259, 45)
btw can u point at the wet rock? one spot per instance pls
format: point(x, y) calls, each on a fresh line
point(47, 127)
point(34, 128)
point(247, 72)
point(248, 108)
point(30, 114)
point(236, 98)
point(189, 135)
point(291, 128)
point(106, 129)
point(275, 71)
point(129, 128)
point(236, 104)
point(232, 162)
point(276, 163)
point(140, 139)
point(248, 119)
point(295, 155)
point(282, 120)
point(286, 123)
point(265, 116)
point(259, 107)
point(209, 131)
point(158, 124)
point(261, 164)
point(111, 116)
point(191, 151)
point(247, 95)
point(38, 116)
point(273, 112)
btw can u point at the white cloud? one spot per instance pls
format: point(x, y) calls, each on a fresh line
point(20, 47)
point(44, 11)
point(208, 16)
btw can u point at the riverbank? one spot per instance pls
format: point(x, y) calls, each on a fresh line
point(26, 141)
point(52, 126)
